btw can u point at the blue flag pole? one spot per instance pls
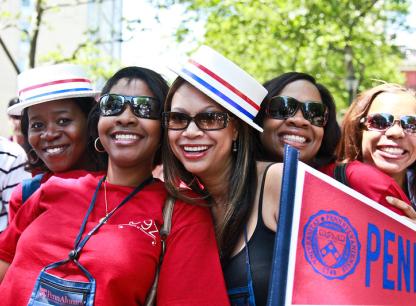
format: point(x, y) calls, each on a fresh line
point(278, 278)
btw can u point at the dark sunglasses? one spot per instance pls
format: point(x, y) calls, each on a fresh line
point(384, 121)
point(209, 121)
point(142, 106)
point(282, 107)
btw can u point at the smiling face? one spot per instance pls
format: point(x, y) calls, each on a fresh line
point(130, 141)
point(58, 134)
point(295, 131)
point(205, 154)
point(392, 151)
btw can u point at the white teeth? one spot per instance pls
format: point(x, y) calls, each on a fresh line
point(54, 150)
point(294, 138)
point(125, 136)
point(392, 150)
point(195, 149)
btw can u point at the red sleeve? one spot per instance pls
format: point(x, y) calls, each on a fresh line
point(22, 219)
point(191, 272)
point(375, 184)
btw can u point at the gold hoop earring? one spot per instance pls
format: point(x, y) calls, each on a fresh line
point(33, 158)
point(96, 146)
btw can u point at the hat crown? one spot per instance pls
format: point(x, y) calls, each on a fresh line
point(224, 82)
point(43, 73)
point(49, 83)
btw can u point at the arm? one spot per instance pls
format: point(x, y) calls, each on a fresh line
point(16, 174)
point(3, 269)
point(191, 271)
point(24, 217)
point(271, 195)
point(375, 184)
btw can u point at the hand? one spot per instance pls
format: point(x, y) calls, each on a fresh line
point(408, 210)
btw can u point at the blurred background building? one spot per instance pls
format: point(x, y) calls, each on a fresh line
point(65, 27)
point(409, 68)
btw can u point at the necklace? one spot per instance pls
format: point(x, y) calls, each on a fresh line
point(105, 201)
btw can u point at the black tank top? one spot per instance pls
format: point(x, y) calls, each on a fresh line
point(260, 246)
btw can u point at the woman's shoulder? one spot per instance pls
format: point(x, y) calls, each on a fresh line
point(72, 179)
point(272, 168)
point(361, 171)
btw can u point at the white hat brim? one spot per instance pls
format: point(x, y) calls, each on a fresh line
point(16, 109)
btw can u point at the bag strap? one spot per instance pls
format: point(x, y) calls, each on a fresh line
point(340, 173)
point(29, 186)
point(164, 233)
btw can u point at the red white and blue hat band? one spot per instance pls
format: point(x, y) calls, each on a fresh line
point(51, 83)
point(55, 88)
point(225, 83)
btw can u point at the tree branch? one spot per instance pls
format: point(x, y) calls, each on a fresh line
point(34, 40)
point(9, 56)
point(356, 19)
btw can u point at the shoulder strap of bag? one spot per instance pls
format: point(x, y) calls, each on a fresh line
point(29, 186)
point(164, 233)
point(340, 173)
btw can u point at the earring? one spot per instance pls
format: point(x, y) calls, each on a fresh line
point(235, 146)
point(96, 146)
point(32, 157)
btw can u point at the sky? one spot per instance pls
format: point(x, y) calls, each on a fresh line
point(156, 49)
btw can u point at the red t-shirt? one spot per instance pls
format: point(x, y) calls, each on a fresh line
point(122, 256)
point(371, 182)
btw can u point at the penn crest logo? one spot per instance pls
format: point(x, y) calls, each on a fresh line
point(331, 245)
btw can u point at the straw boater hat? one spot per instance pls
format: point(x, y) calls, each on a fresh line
point(49, 83)
point(224, 82)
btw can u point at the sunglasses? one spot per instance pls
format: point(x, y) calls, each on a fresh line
point(209, 121)
point(142, 106)
point(383, 121)
point(282, 107)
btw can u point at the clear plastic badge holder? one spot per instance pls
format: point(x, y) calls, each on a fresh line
point(53, 290)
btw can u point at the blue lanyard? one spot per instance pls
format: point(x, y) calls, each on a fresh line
point(79, 244)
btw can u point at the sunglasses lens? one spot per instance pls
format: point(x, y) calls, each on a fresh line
point(211, 120)
point(111, 105)
point(379, 122)
point(204, 121)
point(282, 107)
point(315, 113)
point(408, 124)
point(147, 107)
point(176, 121)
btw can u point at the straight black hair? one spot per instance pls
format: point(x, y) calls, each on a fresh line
point(332, 131)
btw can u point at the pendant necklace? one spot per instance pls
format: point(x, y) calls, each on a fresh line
point(105, 201)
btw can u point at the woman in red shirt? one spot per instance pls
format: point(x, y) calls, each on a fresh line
point(379, 129)
point(54, 102)
point(116, 262)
